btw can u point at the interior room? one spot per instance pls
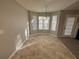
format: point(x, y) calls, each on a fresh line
point(39, 29)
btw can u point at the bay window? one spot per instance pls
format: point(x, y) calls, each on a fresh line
point(39, 22)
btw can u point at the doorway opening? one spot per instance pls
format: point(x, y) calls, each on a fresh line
point(77, 35)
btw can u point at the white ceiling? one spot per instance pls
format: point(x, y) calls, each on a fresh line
point(52, 5)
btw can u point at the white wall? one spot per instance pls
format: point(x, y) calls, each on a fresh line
point(12, 21)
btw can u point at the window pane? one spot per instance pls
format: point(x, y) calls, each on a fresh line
point(40, 26)
point(54, 23)
point(41, 21)
point(34, 23)
point(44, 22)
point(69, 25)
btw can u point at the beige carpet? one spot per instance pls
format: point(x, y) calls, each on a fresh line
point(44, 47)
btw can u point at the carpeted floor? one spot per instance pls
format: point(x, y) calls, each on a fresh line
point(44, 47)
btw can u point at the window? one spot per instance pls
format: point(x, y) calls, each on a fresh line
point(54, 23)
point(44, 22)
point(34, 23)
point(41, 20)
point(69, 25)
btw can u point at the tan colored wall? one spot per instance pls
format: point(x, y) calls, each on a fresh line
point(12, 21)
